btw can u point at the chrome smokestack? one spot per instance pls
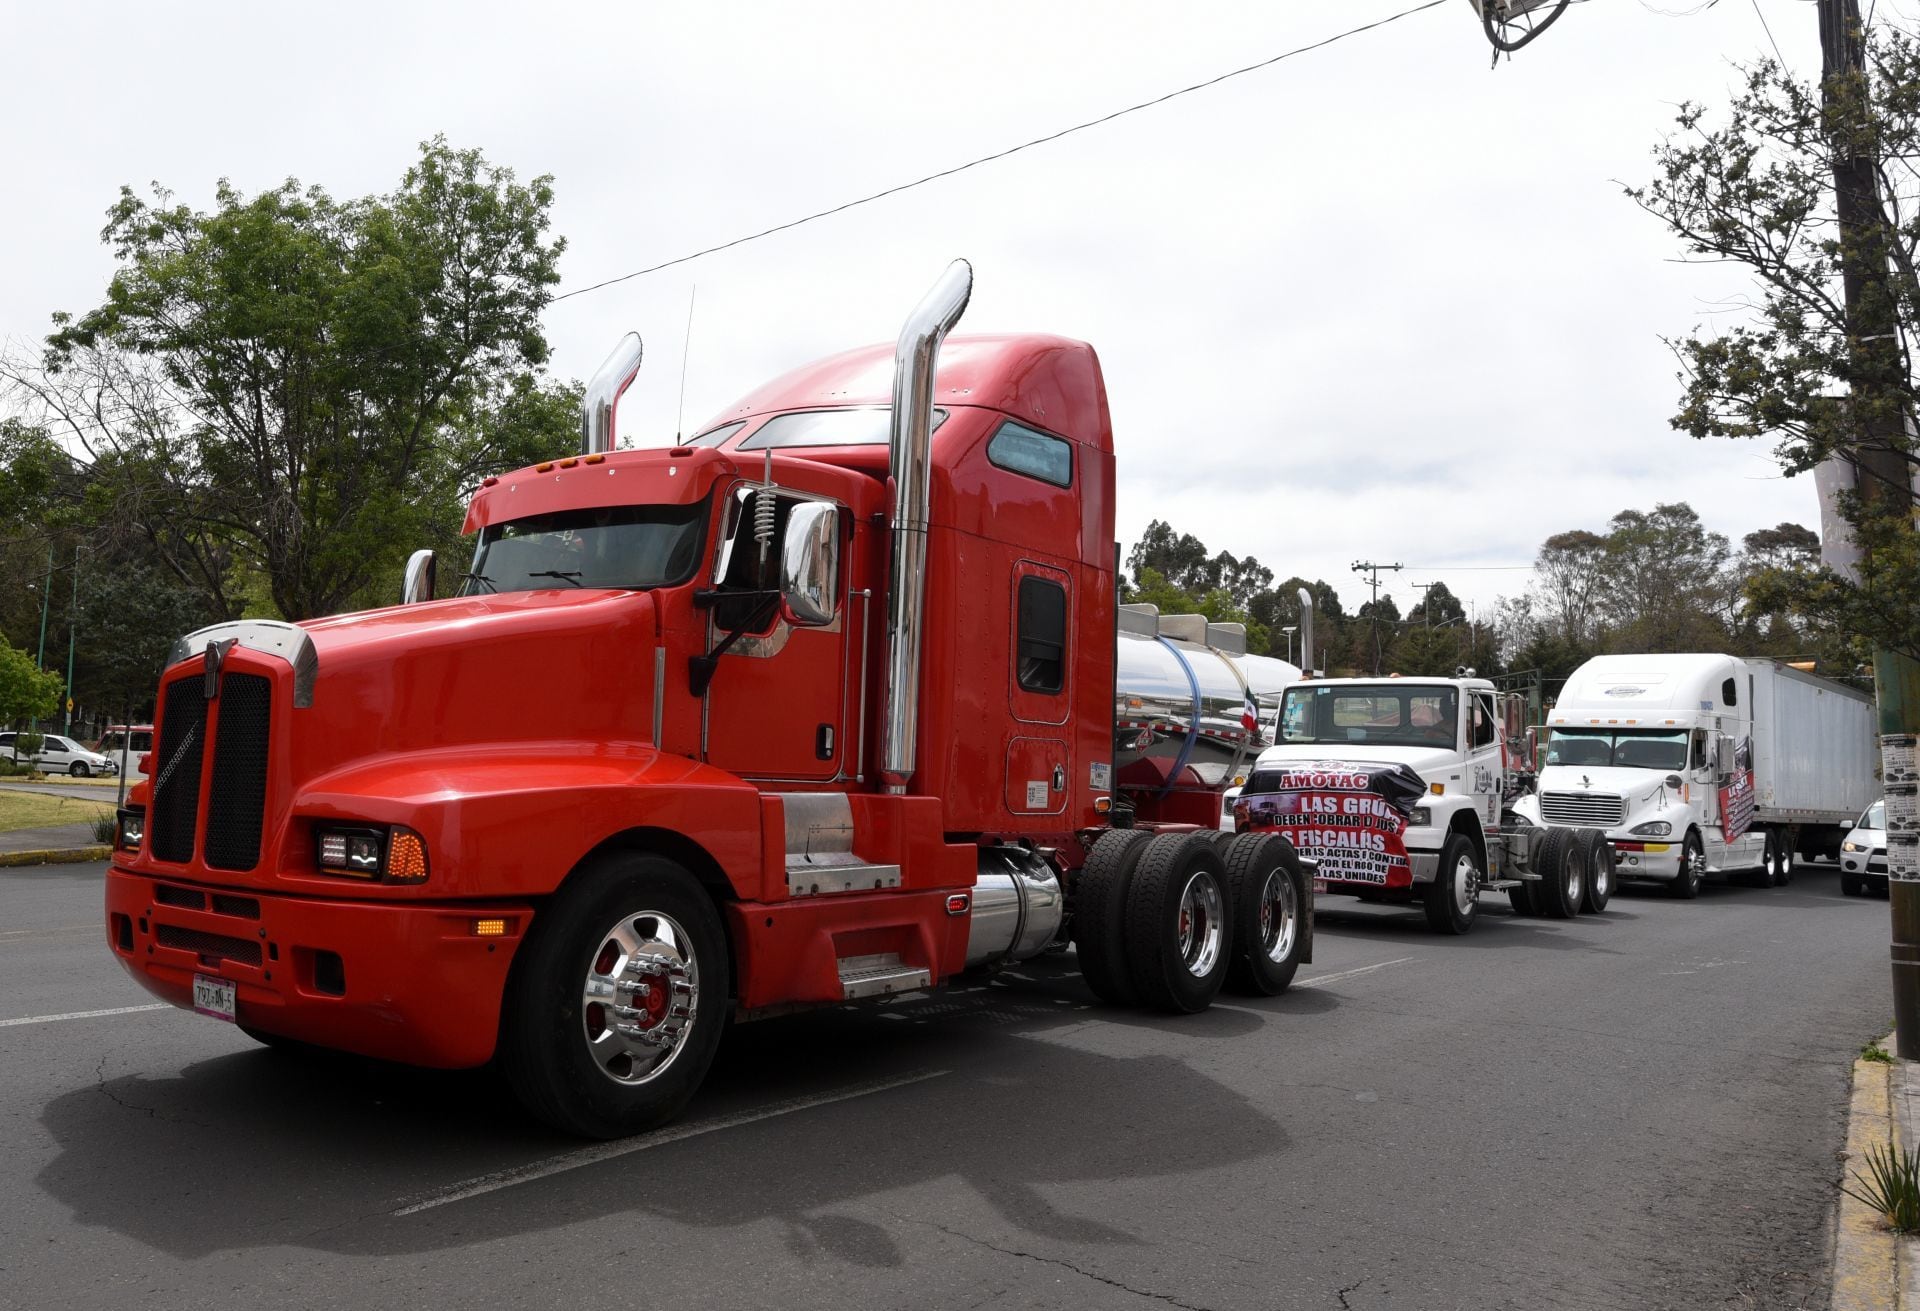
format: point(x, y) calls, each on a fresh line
point(1306, 630)
point(612, 378)
point(915, 357)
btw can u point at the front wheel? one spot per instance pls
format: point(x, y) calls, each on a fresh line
point(1452, 900)
point(1851, 886)
point(79, 769)
point(617, 999)
point(1693, 869)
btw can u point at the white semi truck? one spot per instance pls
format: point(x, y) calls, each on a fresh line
point(1702, 766)
point(1401, 790)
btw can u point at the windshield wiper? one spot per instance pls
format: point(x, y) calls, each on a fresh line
point(480, 578)
point(571, 575)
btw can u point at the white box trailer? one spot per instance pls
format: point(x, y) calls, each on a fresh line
point(1699, 766)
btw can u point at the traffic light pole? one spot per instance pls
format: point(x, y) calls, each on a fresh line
point(1878, 449)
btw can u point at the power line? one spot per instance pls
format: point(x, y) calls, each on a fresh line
point(999, 154)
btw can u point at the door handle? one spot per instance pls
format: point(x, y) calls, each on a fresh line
point(1059, 778)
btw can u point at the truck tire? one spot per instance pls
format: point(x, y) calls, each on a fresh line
point(1452, 900)
point(1769, 875)
point(1561, 887)
point(1595, 854)
point(1693, 868)
point(1099, 914)
point(1783, 849)
point(617, 999)
point(1521, 899)
point(1179, 924)
point(1268, 895)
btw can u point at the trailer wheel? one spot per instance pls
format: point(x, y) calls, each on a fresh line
point(1595, 854)
point(1100, 903)
point(617, 999)
point(1268, 895)
point(1179, 924)
point(1452, 900)
point(1562, 884)
point(1693, 868)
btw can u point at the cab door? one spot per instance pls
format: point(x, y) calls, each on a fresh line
point(1482, 773)
point(774, 708)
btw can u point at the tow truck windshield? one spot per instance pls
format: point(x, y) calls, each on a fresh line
point(1383, 714)
point(1626, 748)
point(629, 547)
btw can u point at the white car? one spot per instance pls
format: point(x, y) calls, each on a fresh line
point(60, 755)
point(1863, 854)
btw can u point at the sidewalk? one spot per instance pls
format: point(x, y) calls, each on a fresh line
point(59, 844)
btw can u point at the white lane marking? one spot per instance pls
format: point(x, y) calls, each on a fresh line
point(520, 1174)
point(1320, 980)
point(85, 1015)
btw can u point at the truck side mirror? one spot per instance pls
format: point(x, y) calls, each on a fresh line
point(1723, 748)
point(417, 585)
point(810, 565)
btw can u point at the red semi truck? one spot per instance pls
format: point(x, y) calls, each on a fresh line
point(819, 706)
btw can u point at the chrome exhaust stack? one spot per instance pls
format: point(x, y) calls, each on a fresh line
point(610, 381)
point(915, 358)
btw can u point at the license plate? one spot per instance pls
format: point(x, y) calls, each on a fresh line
point(1319, 885)
point(213, 997)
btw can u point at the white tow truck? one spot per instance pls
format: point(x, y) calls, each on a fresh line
point(1402, 789)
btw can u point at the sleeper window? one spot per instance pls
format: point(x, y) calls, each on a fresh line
point(1020, 449)
point(1041, 636)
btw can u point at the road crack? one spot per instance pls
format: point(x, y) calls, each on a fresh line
point(1083, 1272)
point(1341, 1293)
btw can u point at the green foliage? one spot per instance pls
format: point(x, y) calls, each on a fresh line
point(1874, 1052)
point(106, 828)
point(25, 692)
point(1890, 1185)
point(1823, 366)
point(298, 389)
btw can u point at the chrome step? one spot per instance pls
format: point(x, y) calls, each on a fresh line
point(878, 975)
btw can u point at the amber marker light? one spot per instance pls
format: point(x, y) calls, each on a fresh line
point(406, 857)
point(496, 928)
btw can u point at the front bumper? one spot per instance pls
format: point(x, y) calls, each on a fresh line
point(400, 982)
point(1645, 858)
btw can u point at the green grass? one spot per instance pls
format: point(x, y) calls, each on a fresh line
point(1891, 1186)
point(20, 810)
point(1873, 1051)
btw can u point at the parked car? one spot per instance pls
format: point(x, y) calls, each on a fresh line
point(1863, 854)
point(60, 755)
point(137, 739)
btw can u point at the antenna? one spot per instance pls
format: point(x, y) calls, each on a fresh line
point(686, 348)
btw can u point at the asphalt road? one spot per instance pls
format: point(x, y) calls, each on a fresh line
point(1637, 1110)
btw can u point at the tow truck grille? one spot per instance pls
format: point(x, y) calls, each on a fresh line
point(176, 785)
point(237, 799)
point(1582, 809)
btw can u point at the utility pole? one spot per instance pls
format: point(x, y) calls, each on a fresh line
point(1878, 452)
point(73, 623)
point(40, 660)
point(1373, 572)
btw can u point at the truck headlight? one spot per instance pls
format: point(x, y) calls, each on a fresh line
point(1654, 828)
point(133, 828)
point(1421, 817)
point(388, 854)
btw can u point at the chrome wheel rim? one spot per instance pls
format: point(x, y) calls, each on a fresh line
point(1602, 877)
point(1200, 924)
point(1279, 916)
point(1694, 859)
point(641, 997)
point(1466, 885)
point(1576, 883)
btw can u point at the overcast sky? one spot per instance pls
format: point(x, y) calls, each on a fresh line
point(1373, 302)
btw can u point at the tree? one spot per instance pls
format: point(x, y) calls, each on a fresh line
point(298, 388)
point(1566, 576)
point(1756, 188)
point(25, 692)
point(1438, 606)
point(1421, 650)
point(1663, 580)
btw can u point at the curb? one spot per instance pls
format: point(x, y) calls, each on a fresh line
point(65, 856)
point(1866, 1254)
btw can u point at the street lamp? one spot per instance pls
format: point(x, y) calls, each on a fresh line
point(1290, 630)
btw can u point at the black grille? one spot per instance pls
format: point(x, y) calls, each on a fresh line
point(176, 782)
point(245, 908)
point(187, 898)
point(237, 801)
point(208, 946)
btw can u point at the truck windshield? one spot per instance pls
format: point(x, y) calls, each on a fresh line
point(1626, 748)
point(1390, 714)
point(624, 546)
